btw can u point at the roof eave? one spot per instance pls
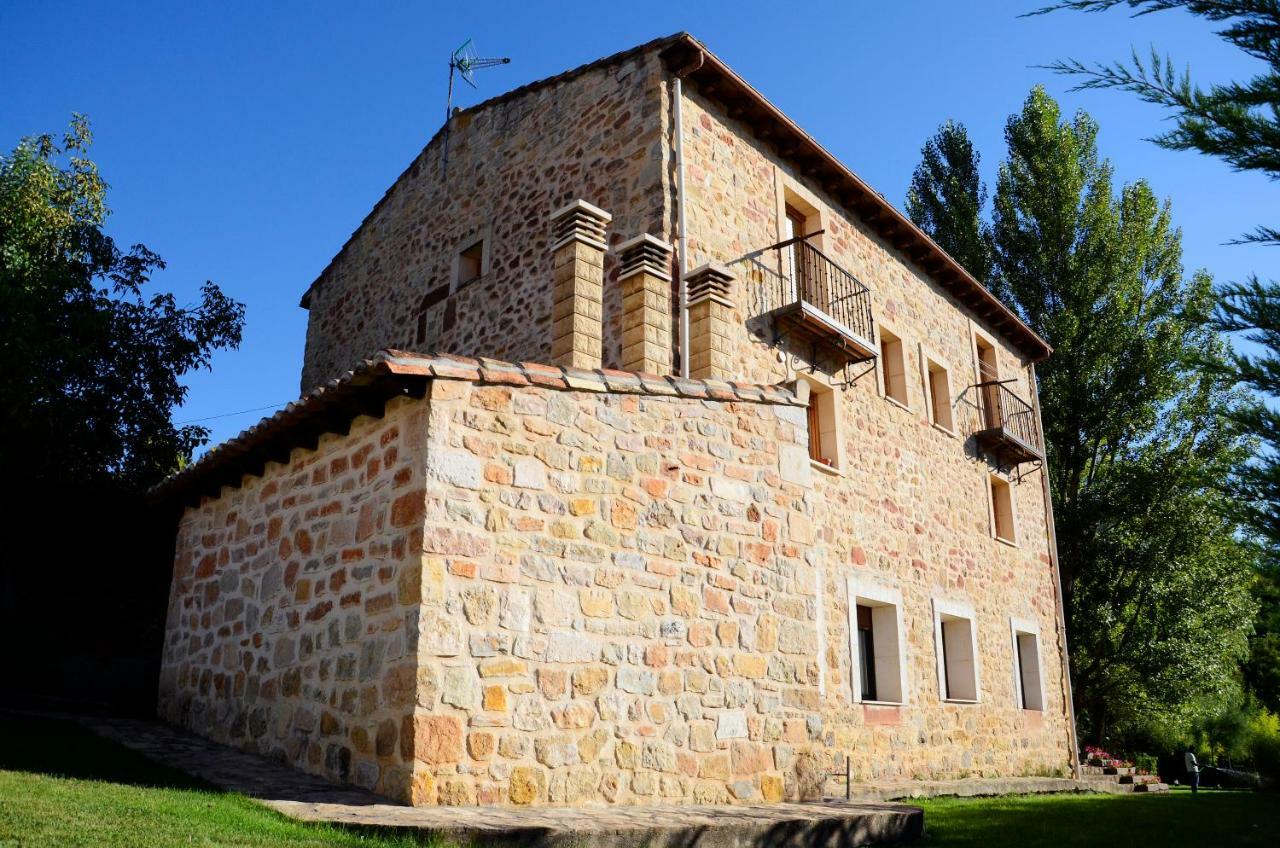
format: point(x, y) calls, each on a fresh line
point(689, 58)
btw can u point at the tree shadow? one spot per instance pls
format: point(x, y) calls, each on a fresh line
point(57, 748)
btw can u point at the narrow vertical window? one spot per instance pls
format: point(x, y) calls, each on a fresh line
point(867, 653)
point(988, 383)
point(956, 644)
point(1026, 665)
point(1003, 526)
point(879, 661)
point(939, 392)
point(893, 362)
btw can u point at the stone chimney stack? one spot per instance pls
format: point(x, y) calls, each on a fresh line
point(710, 317)
point(578, 235)
point(645, 279)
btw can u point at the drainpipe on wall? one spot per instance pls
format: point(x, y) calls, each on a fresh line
point(1051, 533)
point(682, 263)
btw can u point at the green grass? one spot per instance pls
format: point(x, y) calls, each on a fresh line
point(61, 785)
point(1206, 820)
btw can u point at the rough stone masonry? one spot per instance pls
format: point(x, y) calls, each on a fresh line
point(480, 581)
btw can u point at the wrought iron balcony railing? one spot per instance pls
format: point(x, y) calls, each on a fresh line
point(816, 300)
point(1007, 424)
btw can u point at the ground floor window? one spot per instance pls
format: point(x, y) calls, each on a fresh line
point(1027, 679)
point(955, 638)
point(876, 644)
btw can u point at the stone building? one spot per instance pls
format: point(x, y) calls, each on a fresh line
point(729, 482)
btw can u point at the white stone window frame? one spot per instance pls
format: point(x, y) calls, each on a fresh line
point(865, 588)
point(991, 480)
point(1019, 627)
point(956, 609)
point(927, 359)
point(808, 388)
point(484, 236)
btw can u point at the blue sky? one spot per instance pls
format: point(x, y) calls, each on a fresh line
point(244, 142)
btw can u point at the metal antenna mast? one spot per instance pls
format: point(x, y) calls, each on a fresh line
point(465, 63)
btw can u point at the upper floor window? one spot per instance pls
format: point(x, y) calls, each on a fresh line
point(894, 366)
point(823, 424)
point(938, 391)
point(1003, 524)
point(470, 263)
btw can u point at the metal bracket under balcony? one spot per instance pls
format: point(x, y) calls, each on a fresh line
point(1007, 428)
point(820, 303)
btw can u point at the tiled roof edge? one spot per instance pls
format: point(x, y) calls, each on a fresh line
point(391, 373)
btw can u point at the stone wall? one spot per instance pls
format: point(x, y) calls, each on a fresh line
point(908, 505)
point(622, 605)
point(597, 137)
point(292, 627)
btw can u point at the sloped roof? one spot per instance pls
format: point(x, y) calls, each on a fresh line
point(688, 58)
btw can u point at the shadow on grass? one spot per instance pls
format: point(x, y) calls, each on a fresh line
point(64, 749)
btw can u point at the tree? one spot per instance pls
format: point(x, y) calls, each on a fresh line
point(1137, 435)
point(1238, 122)
point(946, 198)
point(92, 368)
point(92, 372)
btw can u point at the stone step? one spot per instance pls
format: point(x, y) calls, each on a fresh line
point(1121, 770)
point(1139, 778)
point(1150, 787)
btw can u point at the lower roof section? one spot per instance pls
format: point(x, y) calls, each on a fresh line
point(366, 388)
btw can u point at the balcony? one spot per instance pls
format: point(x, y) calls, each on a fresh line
point(812, 299)
point(1006, 426)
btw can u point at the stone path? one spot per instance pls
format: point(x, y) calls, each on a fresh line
point(825, 824)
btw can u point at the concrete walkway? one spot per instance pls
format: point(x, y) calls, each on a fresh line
point(825, 824)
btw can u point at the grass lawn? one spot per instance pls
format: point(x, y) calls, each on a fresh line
point(1206, 820)
point(61, 785)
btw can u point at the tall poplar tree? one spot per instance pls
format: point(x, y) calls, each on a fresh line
point(1136, 427)
point(947, 196)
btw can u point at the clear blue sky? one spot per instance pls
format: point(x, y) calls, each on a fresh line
point(244, 142)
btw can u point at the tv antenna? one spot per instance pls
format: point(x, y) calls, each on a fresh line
point(464, 63)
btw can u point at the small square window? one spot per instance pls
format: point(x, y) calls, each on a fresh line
point(893, 363)
point(938, 391)
point(957, 650)
point(1003, 526)
point(1026, 665)
point(876, 644)
point(471, 263)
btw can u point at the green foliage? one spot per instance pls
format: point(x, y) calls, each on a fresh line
point(1138, 427)
point(1238, 122)
point(92, 368)
point(946, 198)
point(1137, 435)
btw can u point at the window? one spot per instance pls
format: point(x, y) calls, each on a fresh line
point(955, 637)
point(471, 263)
point(875, 643)
point(800, 218)
point(1026, 664)
point(938, 392)
point(988, 375)
point(894, 367)
point(1003, 526)
point(823, 424)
